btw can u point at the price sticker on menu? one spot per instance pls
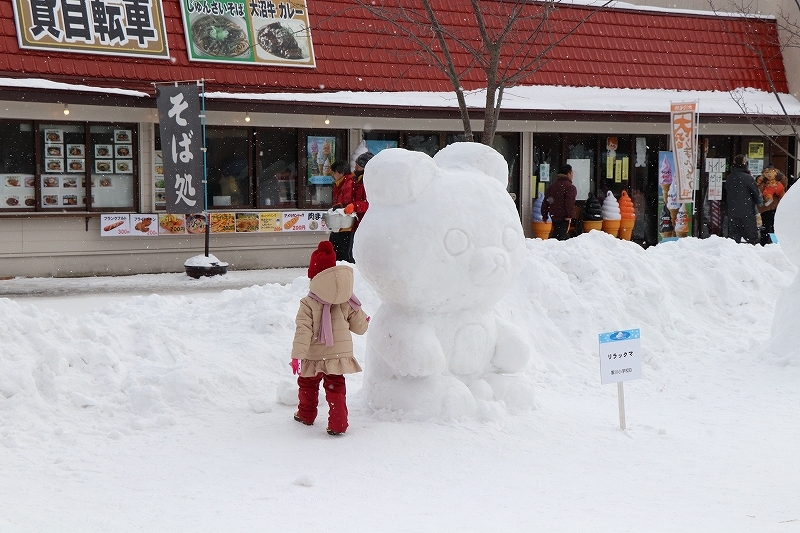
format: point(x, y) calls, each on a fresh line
point(620, 356)
point(116, 225)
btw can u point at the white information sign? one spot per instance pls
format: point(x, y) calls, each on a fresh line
point(620, 356)
point(715, 167)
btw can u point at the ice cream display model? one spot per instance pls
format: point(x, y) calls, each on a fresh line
point(541, 227)
point(628, 215)
point(592, 214)
point(611, 215)
point(682, 222)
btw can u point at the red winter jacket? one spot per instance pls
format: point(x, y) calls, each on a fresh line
point(343, 191)
point(360, 202)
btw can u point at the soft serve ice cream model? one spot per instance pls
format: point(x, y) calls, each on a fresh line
point(592, 214)
point(611, 214)
point(541, 227)
point(628, 214)
point(441, 245)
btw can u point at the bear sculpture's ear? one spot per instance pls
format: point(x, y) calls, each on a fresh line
point(473, 156)
point(396, 176)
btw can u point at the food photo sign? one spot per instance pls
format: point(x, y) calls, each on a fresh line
point(161, 224)
point(238, 31)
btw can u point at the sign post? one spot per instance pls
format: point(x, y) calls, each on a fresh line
point(620, 360)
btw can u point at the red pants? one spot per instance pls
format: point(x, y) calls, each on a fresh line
point(335, 394)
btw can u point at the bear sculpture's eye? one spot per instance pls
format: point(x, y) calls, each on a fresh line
point(510, 238)
point(456, 242)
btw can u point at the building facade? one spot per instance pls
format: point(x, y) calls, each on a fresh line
point(80, 148)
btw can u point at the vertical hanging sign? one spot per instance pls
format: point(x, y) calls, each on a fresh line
point(181, 147)
point(683, 127)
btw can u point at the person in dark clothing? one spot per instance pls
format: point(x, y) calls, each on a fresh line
point(741, 197)
point(342, 240)
point(559, 203)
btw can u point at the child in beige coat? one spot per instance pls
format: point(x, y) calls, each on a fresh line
point(322, 350)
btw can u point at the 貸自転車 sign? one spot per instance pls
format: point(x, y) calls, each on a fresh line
point(261, 32)
point(113, 27)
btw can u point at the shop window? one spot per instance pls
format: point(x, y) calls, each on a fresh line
point(277, 168)
point(228, 167)
point(63, 166)
point(508, 146)
point(582, 155)
point(113, 166)
point(428, 143)
point(615, 164)
point(17, 166)
point(546, 160)
point(381, 140)
point(68, 169)
point(322, 149)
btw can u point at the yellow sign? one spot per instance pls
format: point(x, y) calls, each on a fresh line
point(755, 151)
point(111, 27)
point(270, 221)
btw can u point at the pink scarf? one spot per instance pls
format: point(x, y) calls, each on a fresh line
point(326, 329)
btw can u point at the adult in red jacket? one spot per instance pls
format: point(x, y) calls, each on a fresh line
point(360, 203)
point(342, 240)
point(559, 203)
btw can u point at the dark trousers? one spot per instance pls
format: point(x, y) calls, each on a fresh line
point(342, 242)
point(767, 226)
point(743, 228)
point(560, 228)
point(335, 395)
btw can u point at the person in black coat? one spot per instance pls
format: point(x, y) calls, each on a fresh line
point(741, 196)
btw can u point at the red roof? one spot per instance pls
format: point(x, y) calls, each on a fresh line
point(354, 51)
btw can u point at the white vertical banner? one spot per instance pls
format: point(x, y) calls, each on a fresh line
point(683, 128)
point(715, 168)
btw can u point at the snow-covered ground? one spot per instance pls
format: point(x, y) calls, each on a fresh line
point(162, 403)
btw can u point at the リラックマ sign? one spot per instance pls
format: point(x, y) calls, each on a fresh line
point(620, 356)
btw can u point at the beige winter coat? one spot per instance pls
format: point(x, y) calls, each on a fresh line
point(334, 285)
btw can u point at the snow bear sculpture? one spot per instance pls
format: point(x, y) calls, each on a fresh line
point(441, 244)
point(785, 333)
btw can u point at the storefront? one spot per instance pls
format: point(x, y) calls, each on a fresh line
point(80, 150)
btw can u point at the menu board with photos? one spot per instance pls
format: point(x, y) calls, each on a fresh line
point(63, 191)
point(17, 191)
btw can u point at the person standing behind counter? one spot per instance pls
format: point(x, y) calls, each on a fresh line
point(360, 202)
point(342, 240)
point(559, 203)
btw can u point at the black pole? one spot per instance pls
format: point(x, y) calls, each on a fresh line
point(205, 169)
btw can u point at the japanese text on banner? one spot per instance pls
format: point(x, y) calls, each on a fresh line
point(683, 124)
point(182, 147)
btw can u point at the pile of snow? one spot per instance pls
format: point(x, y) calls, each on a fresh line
point(156, 360)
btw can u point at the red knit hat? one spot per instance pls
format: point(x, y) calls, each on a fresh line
point(321, 258)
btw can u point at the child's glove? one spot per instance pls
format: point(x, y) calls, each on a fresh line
point(295, 366)
point(349, 209)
